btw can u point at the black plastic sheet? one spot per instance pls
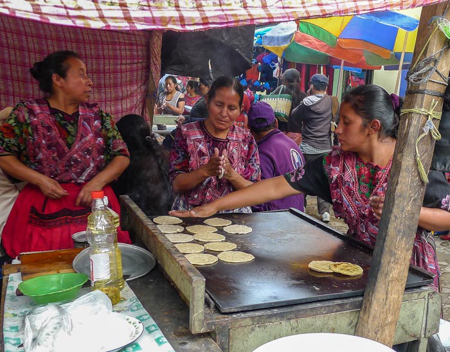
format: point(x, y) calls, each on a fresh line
point(228, 50)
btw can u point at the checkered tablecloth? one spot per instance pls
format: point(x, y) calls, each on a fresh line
point(16, 308)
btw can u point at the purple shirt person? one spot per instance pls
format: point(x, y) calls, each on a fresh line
point(278, 153)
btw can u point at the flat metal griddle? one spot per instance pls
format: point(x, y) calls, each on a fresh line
point(283, 244)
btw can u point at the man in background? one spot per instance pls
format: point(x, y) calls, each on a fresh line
point(278, 154)
point(312, 118)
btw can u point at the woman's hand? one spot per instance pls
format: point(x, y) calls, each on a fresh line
point(213, 168)
point(377, 204)
point(84, 197)
point(51, 188)
point(200, 212)
point(229, 172)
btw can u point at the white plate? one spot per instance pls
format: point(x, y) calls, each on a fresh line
point(135, 330)
point(101, 333)
point(323, 342)
point(136, 261)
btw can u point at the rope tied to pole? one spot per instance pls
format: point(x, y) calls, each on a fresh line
point(427, 128)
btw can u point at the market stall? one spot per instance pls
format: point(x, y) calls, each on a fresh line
point(243, 306)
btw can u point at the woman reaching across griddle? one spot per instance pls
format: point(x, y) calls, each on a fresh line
point(353, 177)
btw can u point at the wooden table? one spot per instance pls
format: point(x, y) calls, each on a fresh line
point(171, 313)
point(245, 331)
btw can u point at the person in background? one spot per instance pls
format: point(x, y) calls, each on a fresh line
point(171, 101)
point(312, 118)
point(278, 154)
point(290, 84)
point(146, 180)
point(65, 148)
point(199, 110)
point(212, 157)
point(354, 177)
point(192, 96)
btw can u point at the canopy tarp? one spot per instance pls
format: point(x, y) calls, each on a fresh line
point(118, 62)
point(189, 15)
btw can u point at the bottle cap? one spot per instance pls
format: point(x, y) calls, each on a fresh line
point(97, 194)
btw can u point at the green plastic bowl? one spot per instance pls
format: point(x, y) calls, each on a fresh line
point(53, 288)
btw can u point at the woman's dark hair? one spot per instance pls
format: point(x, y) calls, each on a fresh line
point(53, 63)
point(172, 78)
point(227, 82)
point(372, 102)
point(193, 85)
point(291, 79)
point(146, 179)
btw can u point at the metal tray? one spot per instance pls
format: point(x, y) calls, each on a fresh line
point(283, 244)
point(136, 261)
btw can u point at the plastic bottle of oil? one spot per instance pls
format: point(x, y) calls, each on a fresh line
point(102, 254)
point(116, 222)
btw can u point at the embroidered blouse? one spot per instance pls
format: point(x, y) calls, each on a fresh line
point(193, 147)
point(68, 148)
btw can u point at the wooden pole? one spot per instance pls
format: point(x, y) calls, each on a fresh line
point(399, 73)
point(341, 75)
point(387, 277)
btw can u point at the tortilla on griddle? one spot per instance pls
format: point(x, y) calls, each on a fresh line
point(220, 246)
point(217, 222)
point(321, 266)
point(167, 220)
point(348, 269)
point(238, 229)
point(170, 228)
point(236, 257)
point(209, 237)
point(190, 248)
point(179, 237)
point(202, 259)
point(200, 228)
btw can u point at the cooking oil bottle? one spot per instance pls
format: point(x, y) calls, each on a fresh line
point(102, 254)
point(116, 222)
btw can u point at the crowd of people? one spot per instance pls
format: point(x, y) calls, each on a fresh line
point(229, 153)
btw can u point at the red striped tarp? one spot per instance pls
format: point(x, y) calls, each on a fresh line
point(188, 15)
point(118, 62)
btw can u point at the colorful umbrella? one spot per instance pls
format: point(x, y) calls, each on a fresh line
point(381, 35)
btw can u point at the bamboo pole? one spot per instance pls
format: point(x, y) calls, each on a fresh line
point(389, 268)
point(399, 73)
point(341, 75)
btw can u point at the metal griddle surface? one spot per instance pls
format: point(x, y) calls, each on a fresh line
point(283, 244)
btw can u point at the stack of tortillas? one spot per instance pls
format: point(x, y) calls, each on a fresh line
point(344, 268)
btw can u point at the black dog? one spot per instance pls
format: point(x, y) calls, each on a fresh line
point(146, 179)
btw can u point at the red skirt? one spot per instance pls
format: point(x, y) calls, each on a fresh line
point(38, 223)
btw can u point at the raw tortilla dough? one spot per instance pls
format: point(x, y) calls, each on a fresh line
point(179, 237)
point(239, 229)
point(167, 220)
point(170, 228)
point(209, 237)
point(217, 222)
point(190, 247)
point(220, 246)
point(201, 228)
point(348, 269)
point(235, 257)
point(322, 266)
point(202, 259)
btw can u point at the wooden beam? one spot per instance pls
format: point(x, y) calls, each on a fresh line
point(389, 269)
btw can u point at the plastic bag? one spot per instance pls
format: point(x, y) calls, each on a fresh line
point(70, 327)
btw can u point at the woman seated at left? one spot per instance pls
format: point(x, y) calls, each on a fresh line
point(213, 157)
point(64, 148)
